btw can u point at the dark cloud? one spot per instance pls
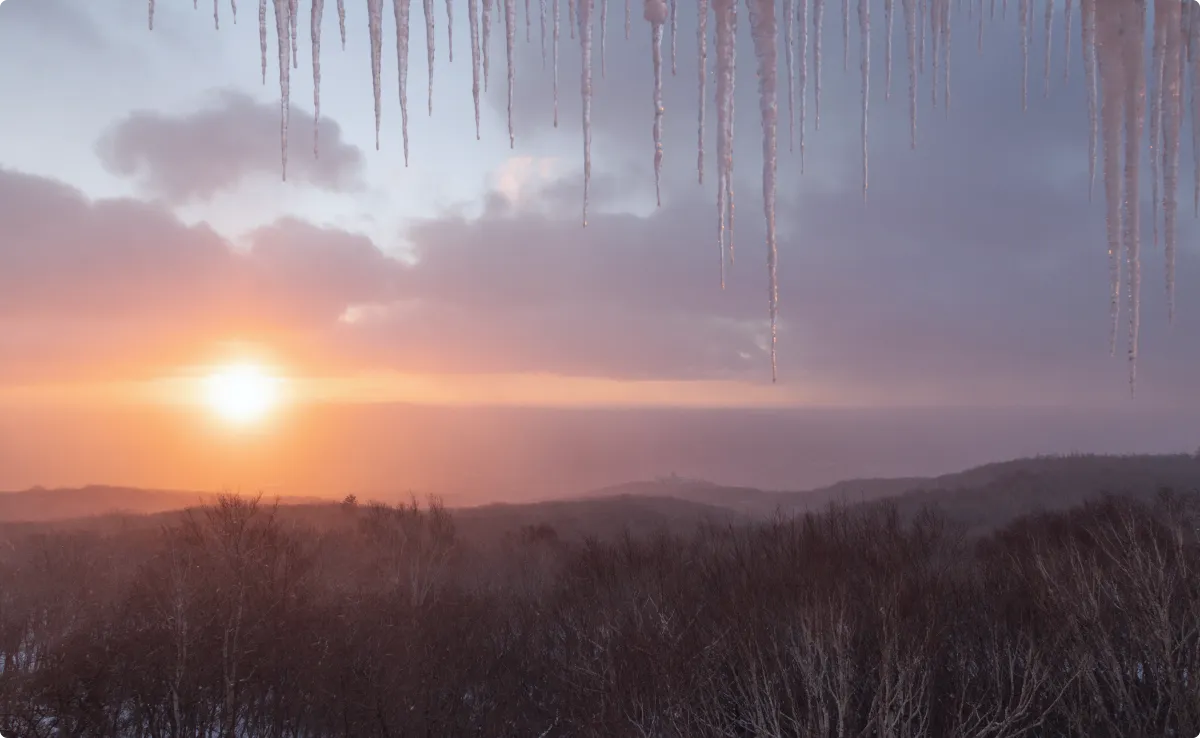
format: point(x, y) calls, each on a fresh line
point(197, 155)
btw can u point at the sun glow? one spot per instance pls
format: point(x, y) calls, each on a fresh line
point(242, 393)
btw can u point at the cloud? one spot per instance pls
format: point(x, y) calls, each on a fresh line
point(214, 149)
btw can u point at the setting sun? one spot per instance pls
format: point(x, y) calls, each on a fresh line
point(242, 393)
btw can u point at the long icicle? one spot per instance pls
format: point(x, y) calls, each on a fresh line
point(473, 28)
point(1112, 82)
point(1087, 30)
point(585, 37)
point(603, 38)
point(557, 5)
point(485, 44)
point(845, 35)
point(864, 31)
point(702, 73)
point(1157, 60)
point(1049, 25)
point(802, 19)
point(656, 13)
point(375, 25)
point(401, 8)
point(723, 11)
point(294, 16)
point(888, 8)
point(674, 5)
point(910, 32)
point(764, 31)
point(1133, 59)
point(282, 24)
point(341, 10)
point(789, 44)
point(542, 12)
point(262, 36)
point(510, 38)
point(1068, 11)
point(1172, 113)
point(818, 12)
point(318, 9)
point(427, 6)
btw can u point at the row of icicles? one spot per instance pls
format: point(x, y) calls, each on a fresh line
point(1113, 36)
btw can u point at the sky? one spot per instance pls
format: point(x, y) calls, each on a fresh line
point(148, 237)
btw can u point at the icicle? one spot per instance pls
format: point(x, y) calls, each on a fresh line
point(233, 10)
point(864, 31)
point(628, 19)
point(217, 16)
point(1023, 11)
point(934, 36)
point(341, 8)
point(585, 36)
point(262, 35)
point(1067, 11)
point(979, 33)
point(318, 9)
point(1194, 56)
point(294, 10)
point(473, 28)
point(656, 14)
point(1172, 113)
point(542, 11)
point(729, 129)
point(1087, 28)
point(789, 44)
point(528, 23)
point(556, 24)
point(1157, 60)
point(603, 38)
point(572, 18)
point(1049, 22)
point(1134, 60)
point(427, 5)
point(763, 27)
point(510, 37)
point(845, 35)
point(281, 31)
point(723, 13)
point(921, 13)
point(1108, 32)
point(375, 25)
point(910, 32)
point(887, 49)
point(486, 43)
point(674, 34)
point(450, 29)
point(802, 16)
point(818, 8)
point(947, 35)
point(702, 67)
point(151, 21)
point(401, 8)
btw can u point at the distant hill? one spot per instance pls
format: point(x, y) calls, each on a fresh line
point(45, 505)
point(988, 495)
point(981, 498)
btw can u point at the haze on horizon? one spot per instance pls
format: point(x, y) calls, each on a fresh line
point(449, 326)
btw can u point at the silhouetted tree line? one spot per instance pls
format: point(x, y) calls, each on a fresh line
point(851, 622)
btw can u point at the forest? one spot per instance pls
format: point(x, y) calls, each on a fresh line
point(235, 620)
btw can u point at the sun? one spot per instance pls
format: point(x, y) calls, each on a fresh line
point(242, 393)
